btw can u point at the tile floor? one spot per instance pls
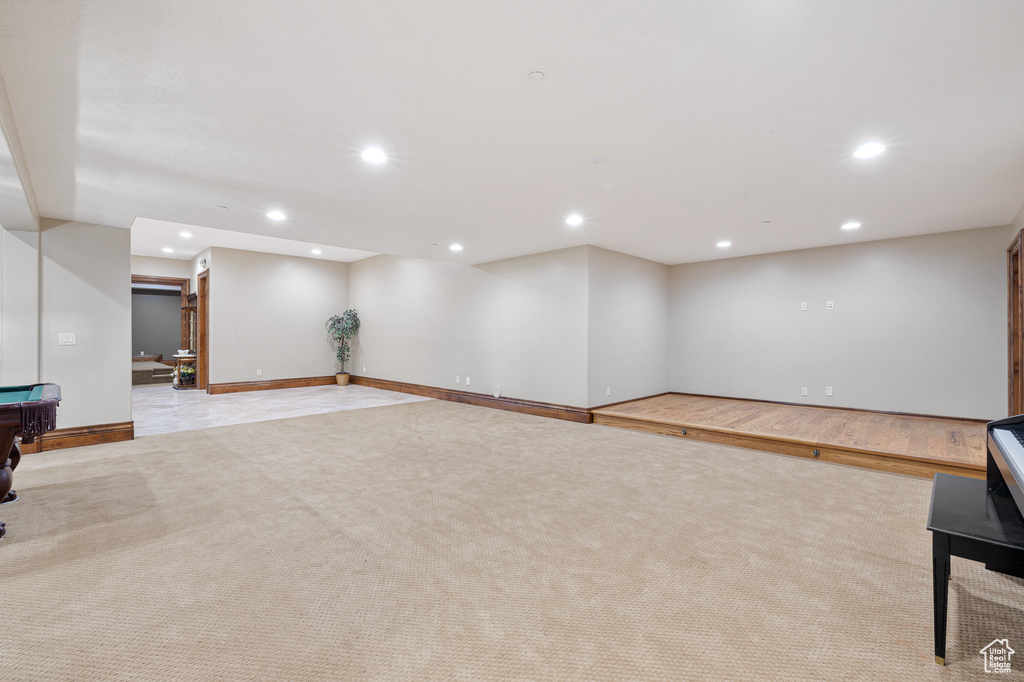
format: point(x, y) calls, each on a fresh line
point(161, 409)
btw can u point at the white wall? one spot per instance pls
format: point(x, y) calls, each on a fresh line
point(196, 267)
point(19, 307)
point(267, 312)
point(162, 267)
point(519, 324)
point(86, 289)
point(919, 325)
point(627, 329)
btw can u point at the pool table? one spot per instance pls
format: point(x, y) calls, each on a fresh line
point(26, 411)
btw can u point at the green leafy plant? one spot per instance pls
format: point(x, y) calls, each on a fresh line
point(340, 330)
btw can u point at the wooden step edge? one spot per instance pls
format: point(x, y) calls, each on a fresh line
point(882, 461)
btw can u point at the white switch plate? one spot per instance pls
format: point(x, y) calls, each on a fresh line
point(364, 369)
point(259, 372)
point(67, 339)
point(803, 390)
point(829, 306)
point(803, 305)
point(467, 381)
point(828, 390)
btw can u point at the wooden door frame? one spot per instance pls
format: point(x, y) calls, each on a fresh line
point(180, 282)
point(1015, 325)
point(203, 337)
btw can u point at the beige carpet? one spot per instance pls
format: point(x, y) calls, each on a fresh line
point(441, 541)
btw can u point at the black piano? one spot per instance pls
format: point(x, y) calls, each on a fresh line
point(979, 520)
point(1006, 458)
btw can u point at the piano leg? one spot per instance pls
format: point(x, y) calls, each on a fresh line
point(940, 578)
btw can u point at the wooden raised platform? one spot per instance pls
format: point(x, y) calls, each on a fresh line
point(907, 444)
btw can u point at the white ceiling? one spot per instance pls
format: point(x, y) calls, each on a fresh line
point(668, 124)
point(150, 238)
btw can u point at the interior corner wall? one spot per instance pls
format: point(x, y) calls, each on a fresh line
point(19, 307)
point(627, 329)
point(918, 325)
point(267, 312)
point(86, 289)
point(162, 267)
point(518, 324)
point(196, 266)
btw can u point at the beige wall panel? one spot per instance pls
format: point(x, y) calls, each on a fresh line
point(919, 325)
point(517, 324)
point(267, 312)
point(627, 327)
point(19, 307)
point(161, 267)
point(86, 289)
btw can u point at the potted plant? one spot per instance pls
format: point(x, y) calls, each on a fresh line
point(340, 330)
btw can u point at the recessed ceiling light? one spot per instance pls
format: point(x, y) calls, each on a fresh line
point(186, 235)
point(852, 225)
point(276, 215)
point(374, 155)
point(456, 247)
point(723, 244)
point(317, 252)
point(535, 75)
point(869, 150)
point(168, 249)
point(575, 219)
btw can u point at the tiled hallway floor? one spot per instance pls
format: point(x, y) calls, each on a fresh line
point(161, 409)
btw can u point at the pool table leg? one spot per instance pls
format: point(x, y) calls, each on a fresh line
point(7, 475)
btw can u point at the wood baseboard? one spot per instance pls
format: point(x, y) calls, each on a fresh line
point(270, 384)
point(78, 436)
point(534, 407)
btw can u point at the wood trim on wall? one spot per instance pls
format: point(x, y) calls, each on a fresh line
point(269, 384)
point(823, 407)
point(78, 436)
point(534, 407)
point(1015, 325)
point(631, 400)
point(203, 337)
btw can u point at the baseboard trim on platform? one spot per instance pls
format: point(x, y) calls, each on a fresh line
point(534, 407)
point(269, 384)
point(78, 436)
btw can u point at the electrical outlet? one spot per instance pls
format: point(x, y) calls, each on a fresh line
point(259, 372)
point(830, 305)
point(364, 369)
point(458, 380)
point(467, 381)
point(828, 390)
point(608, 392)
point(803, 305)
point(803, 390)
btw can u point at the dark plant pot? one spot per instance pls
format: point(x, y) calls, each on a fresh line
point(342, 378)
